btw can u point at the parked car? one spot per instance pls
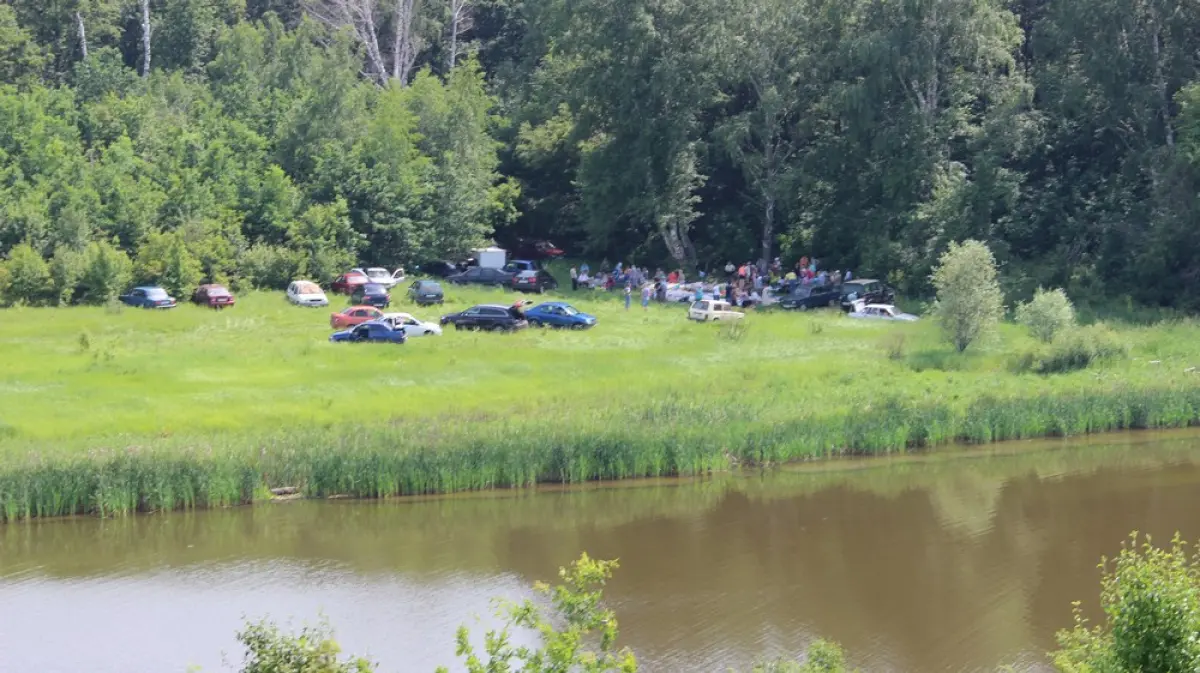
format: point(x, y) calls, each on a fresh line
point(346, 282)
point(381, 276)
point(438, 268)
point(371, 294)
point(865, 291)
point(491, 317)
point(712, 310)
point(682, 293)
point(426, 292)
point(213, 295)
point(479, 275)
point(306, 293)
point(516, 266)
point(411, 325)
point(355, 315)
point(375, 331)
point(882, 312)
point(804, 298)
point(148, 296)
point(559, 314)
point(534, 281)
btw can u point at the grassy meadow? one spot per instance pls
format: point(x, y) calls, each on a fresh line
point(109, 411)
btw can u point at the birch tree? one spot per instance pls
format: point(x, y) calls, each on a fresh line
point(460, 21)
point(368, 20)
point(145, 38)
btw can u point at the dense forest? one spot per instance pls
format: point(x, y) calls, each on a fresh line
point(251, 141)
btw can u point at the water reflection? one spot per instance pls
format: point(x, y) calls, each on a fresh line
point(934, 563)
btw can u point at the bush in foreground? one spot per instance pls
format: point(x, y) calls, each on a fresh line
point(1046, 315)
point(1151, 602)
point(969, 301)
point(1079, 349)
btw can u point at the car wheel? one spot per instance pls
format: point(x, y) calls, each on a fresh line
point(535, 323)
point(803, 307)
point(497, 328)
point(832, 303)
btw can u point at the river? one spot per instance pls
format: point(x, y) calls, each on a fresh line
point(957, 561)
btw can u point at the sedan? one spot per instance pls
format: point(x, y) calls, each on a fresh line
point(213, 296)
point(412, 326)
point(381, 276)
point(491, 317)
point(534, 281)
point(148, 296)
point(438, 268)
point(559, 314)
point(355, 315)
point(882, 312)
point(373, 332)
point(426, 292)
point(479, 275)
point(371, 294)
point(306, 293)
point(804, 298)
point(346, 282)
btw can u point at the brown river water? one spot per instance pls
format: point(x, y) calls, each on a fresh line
point(960, 561)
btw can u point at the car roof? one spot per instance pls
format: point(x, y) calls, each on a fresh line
point(499, 306)
point(553, 303)
point(369, 287)
point(354, 273)
point(428, 282)
point(351, 308)
point(148, 287)
point(891, 306)
point(861, 280)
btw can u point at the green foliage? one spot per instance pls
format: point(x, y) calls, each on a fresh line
point(164, 259)
point(1080, 348)
point(1151, 601)
point(577, 624)
point(1049, 313)
point(313, 650)
point(270, 266)
point(969, 301)
point(823, 657)
point(106, 273)
point(27, 276)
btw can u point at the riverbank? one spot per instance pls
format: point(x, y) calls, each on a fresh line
point(111, 412)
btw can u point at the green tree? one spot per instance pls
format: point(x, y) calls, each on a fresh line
point(313, 650)
point(106, 272)
point(577, 624)
point(67, 267)
point(164, 259)
point(969, 301)
point(1049, 313)
point(823, 657)
point(1151, 601)
point(21, 58)
point(27, 276)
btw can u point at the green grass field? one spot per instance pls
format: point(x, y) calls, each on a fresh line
point(115, 410)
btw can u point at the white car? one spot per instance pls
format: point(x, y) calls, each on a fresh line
point(381, 276)
point(306, 293)
point(881, 312)
point(681, 292)
point(712, 310)
point(413, 326)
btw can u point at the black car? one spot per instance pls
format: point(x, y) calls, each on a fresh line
point(438, 268)
point(371, 294)
point(804, 298)
point(534, 281)
point(426, 292)
point(479, 275)
point(491, 317)
point(866, 290)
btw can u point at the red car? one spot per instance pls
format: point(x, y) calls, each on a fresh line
point(355, 315)
point(346, 282)
point(213, 296)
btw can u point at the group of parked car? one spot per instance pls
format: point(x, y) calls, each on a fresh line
point(152, 296)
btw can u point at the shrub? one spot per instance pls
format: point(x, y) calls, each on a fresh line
point(1047, 314)
point(969, 301)
point(823, 657)
point(28, 276)
point(66, 270)
point(106, 272)
point(165, 259)
point(270, 267)
point(1151, 603)
point(313, 651)
point(1079, 349)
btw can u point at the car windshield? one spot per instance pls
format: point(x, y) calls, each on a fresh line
point(156, 293)
point(307, 288)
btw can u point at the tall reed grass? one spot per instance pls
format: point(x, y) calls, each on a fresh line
point(672, 437)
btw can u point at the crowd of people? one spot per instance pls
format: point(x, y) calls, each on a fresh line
point(747, 285)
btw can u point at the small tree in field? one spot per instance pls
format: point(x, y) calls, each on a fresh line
point(1151, 603)
point(28, 276)
point(969, 302)
point(1047, 314)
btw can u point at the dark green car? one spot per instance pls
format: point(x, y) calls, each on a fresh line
point(804, 298)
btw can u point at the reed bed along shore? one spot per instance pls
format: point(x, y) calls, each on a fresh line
point(111, 412)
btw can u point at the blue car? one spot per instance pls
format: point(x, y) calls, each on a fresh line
point(375, 332)
point(148, 296)
point(559, 314)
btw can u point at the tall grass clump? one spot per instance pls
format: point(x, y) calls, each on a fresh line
point(1080, 348)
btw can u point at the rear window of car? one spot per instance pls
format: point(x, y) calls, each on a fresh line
point(217, 291)
point(429, 286)
point(307, 288)
point(156, 293)
point(373, 288)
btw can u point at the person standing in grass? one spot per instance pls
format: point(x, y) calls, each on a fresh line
point(646, 297)
point(574, 279)
point(628, 295)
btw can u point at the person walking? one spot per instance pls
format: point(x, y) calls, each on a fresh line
point(574, 279)
point(628, 295)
